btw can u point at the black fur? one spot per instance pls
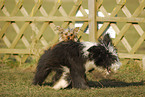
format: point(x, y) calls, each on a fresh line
point(101, 56)
point(70, 54)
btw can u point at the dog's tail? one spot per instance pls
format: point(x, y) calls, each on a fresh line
point(40, 75)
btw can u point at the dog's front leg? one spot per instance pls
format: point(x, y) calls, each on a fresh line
point(78, 78)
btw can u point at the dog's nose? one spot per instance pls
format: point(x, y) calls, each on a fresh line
point(68, 38)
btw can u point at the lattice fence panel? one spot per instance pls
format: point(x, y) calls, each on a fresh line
point(32, 37)
point(28, 29)
point(129, 19)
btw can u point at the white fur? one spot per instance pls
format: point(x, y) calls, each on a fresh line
point(87, 45)
point(89, 65)
point(116, 66)
point(62, 83)
point(112, 50)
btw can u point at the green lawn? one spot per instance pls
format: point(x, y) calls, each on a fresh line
point(128, 82)
point(16, 78)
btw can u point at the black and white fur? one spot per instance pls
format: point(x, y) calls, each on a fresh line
point(71, 61)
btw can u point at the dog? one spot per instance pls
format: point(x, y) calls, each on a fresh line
point(68, 34)
point(71, 60)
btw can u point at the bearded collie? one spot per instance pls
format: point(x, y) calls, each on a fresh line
point(71, 60)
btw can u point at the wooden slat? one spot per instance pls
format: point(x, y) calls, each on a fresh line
point(72, 12)
point(113, 13)
point(24, 40)
point(55, 8)
point(138, 29)
point(105, 24)
point(98, 4)
point(139, 9)
point(102, 29)
point(17, 7)
point(4, 10)
point(83, 11)
point(124, 40)
point(4, 28)
point(121, 34)
point(45, 24)
point(56, 37)
point(132, 56)
point(82, 29)
point(15, 51)
point(126, 26)
point(36, 7)
point(53, 18)
point(18, 36)
point(6, 41)
point(15, 10)
point(2, 3)
point(62, 11)
point(138, 43)
point(75, 7)
point(126, 11)
point(121, 19)
point(104, 11)
point(53, 26)
point(42, 10)
point(117, 7)
point(36, 30)
point(73, 18)
point(92, 18)
point(38, 36)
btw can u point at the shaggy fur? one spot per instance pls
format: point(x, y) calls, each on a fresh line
point(70, 61)
point(68, 34)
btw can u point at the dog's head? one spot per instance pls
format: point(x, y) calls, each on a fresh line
point(68, 34)
point(105, 54)
point(111, 53)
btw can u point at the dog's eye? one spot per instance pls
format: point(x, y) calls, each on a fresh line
point(71, 35)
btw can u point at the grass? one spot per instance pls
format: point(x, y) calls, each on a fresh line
point(16, 78)
point(128, 82)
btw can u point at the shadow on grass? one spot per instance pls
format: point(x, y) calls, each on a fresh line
point(113, 83)
point(106, 83)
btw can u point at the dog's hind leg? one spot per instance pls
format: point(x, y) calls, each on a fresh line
point(57, 75)
point(64, 79)
point(41, 74)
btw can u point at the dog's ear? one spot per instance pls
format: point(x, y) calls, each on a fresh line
point(97, 51)
point(107, 40)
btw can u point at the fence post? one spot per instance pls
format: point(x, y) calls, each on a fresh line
point(92, 20)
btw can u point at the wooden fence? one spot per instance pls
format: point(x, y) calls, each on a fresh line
point(23, 34)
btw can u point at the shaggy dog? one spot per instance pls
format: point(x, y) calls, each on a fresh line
point(71, 60)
